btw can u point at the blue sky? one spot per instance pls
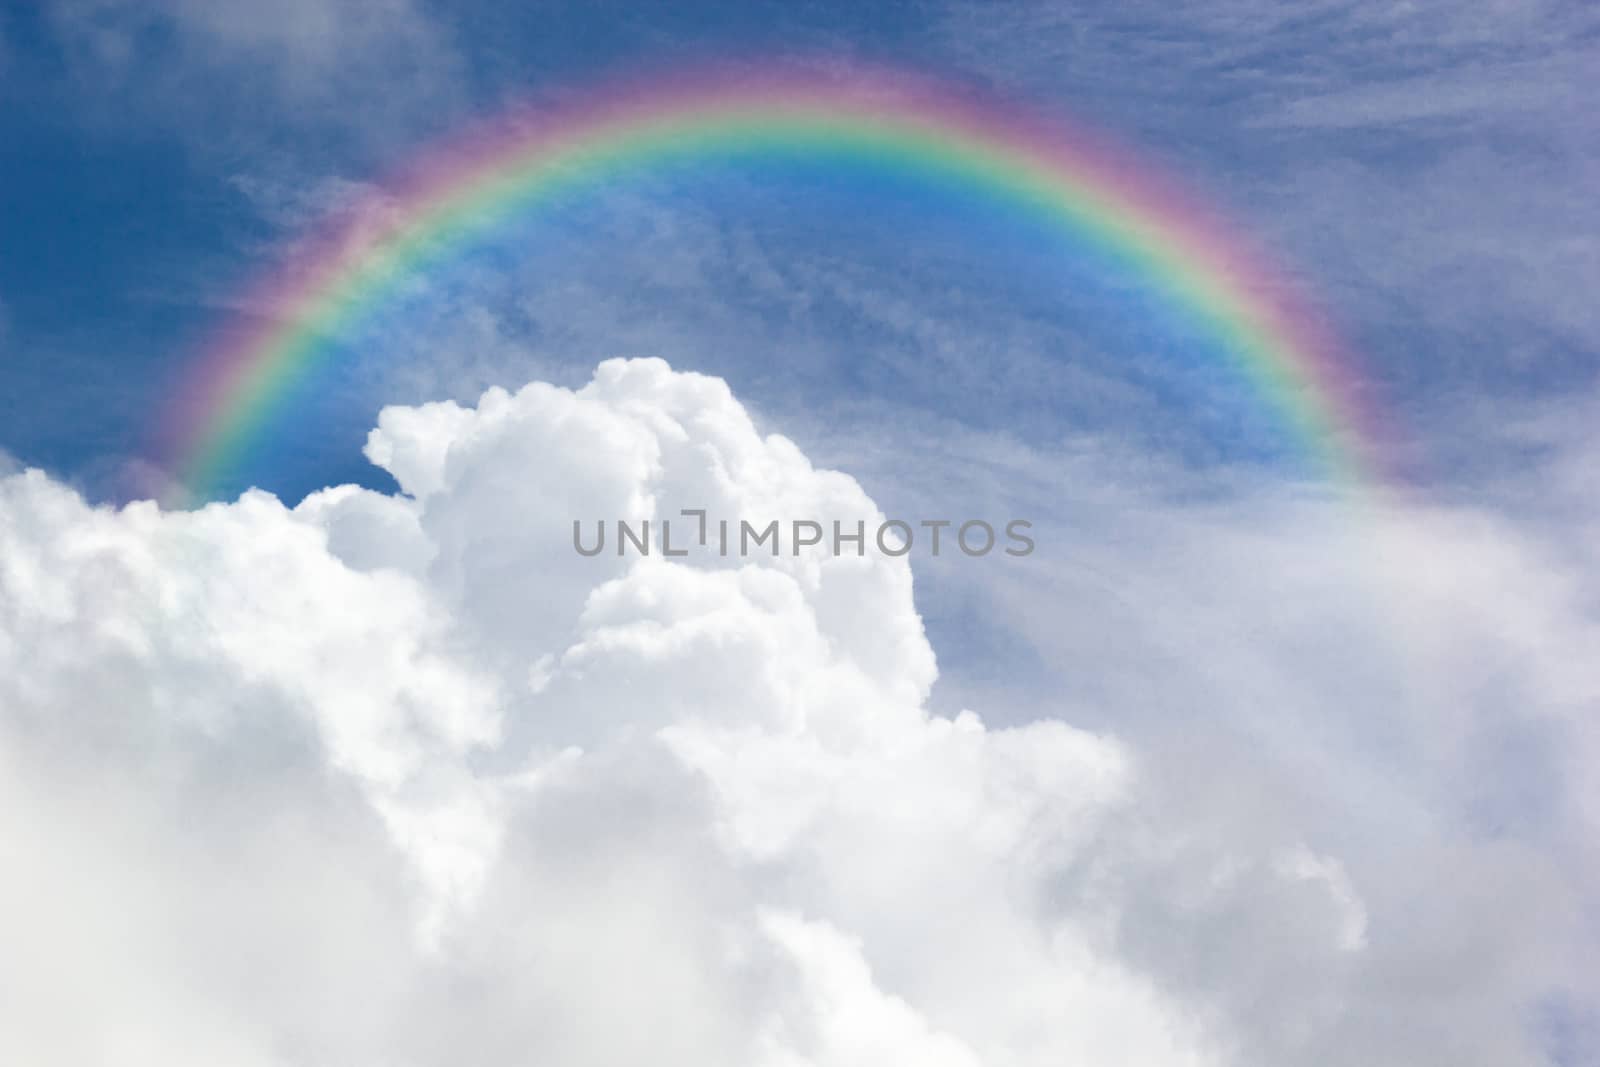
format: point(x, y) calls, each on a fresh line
point(1314, 782)
point(1421, 172)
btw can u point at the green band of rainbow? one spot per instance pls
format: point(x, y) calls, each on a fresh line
point(1064, 176)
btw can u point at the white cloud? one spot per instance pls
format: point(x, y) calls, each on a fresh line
point(1402, 688)
point(403, 779)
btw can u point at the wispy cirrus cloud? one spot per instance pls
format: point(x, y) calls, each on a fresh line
point(233, 72)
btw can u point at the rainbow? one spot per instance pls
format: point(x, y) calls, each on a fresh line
point(1063, 176)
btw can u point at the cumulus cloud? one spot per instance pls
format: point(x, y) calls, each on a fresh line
point(403, 779)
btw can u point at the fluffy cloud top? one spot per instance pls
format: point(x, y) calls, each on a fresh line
point(403, 779)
